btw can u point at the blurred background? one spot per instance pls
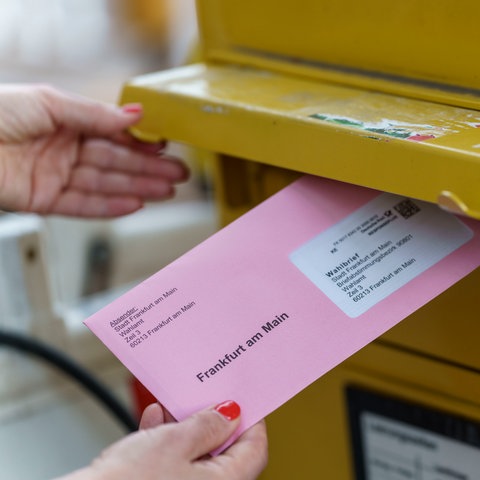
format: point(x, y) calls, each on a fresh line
point(54, 272)
point(92, 46)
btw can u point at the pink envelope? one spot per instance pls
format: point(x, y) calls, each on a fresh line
point(285, 293)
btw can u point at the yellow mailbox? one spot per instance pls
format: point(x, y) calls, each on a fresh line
point(384, 95)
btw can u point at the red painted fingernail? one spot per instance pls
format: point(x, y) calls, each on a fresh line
point(132, 108)
point(229, 409)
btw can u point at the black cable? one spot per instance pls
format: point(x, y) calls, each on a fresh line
point(59, 360)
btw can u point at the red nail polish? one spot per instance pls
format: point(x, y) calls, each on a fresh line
point(229, 409)
point(132, 108)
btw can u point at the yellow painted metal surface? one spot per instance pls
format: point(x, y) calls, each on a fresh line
point(402, 145)
point(310, 435)
point(425, 47)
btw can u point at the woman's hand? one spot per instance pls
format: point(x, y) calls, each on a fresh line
point(179, 451)
point(64, 154)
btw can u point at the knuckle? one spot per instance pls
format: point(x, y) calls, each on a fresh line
point(47, 92)
point(157, 439)
point(170, 435)
point(213, 426)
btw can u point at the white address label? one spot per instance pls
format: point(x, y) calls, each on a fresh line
point(397, 450)
point(377, 249)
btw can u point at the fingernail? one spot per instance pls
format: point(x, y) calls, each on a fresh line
point(229, 409)
point(132, 108)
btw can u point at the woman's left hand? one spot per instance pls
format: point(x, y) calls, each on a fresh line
point(65, 154)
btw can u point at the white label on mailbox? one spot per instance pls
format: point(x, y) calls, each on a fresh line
point(379, 248)
point(397, 450)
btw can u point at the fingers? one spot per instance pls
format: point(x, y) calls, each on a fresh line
point(75, 203)
point(251, 447)
point(90, 180)
point(126, 181)
point(111, 169)
point(107, 156)
point(207, 430)
point(87, 116)
point(111, 180)
point(152, 417)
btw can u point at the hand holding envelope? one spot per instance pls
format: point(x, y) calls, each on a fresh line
point(179, 450)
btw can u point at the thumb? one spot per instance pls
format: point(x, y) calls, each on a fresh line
point(207, 430)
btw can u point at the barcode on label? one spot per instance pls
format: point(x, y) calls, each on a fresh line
point(407, 208)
